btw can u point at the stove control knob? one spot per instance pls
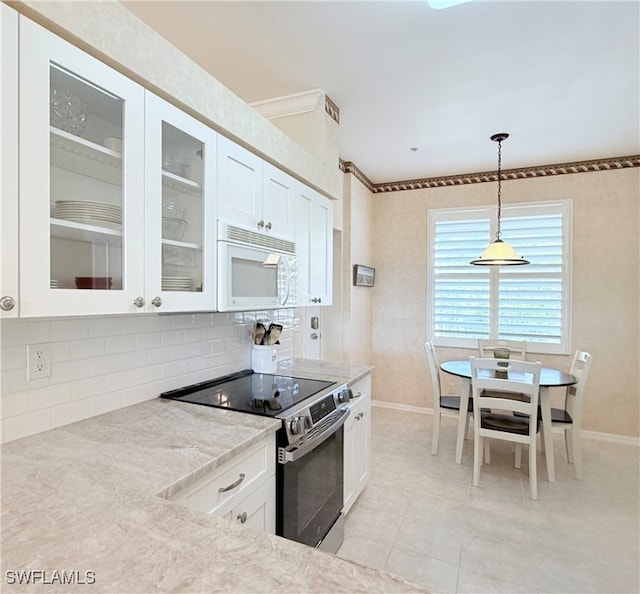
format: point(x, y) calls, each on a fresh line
point(345, 395)
point(297, 425)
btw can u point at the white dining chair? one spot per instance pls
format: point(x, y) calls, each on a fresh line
point(496, 419)
point(569, 417)
point(440, 401)
point(517, 351)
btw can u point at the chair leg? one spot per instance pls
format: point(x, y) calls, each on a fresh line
point(577, 452)
point(466, 425)
point(436, 430)
point(518, 455)
point(477, 453)
point(533, 472)
point(568, 442)
point(487, 451)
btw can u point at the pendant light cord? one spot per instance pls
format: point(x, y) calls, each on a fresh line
point(498, 232)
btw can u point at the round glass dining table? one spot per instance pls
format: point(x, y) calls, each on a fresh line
point(549, 378)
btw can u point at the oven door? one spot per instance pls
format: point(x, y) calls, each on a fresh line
point(310, 490)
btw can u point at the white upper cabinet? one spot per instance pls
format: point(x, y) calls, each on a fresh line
point(278, 202)
point(81, 181)
point(9, 293)
point(314, 245)
point(110, 203)
point(239, 185)
point(180, 216)
point(253, 194)
point(117, 190)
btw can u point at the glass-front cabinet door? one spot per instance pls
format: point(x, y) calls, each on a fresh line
point(82, 181)
point(180, 218)
point(9, 275)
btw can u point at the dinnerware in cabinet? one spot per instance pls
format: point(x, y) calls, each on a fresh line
point(112, 143)
point(173, 228)
point(93, 282)
point(67, 111)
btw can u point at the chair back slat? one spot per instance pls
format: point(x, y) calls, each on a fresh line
point(489, 375)
point(517, 348)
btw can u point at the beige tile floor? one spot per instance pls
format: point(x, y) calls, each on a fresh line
point(420, 517)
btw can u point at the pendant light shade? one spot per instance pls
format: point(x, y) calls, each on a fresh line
point(499, 253)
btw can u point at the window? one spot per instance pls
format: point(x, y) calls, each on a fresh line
point(529, 303)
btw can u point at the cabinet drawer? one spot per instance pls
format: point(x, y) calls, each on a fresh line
point(220, 490)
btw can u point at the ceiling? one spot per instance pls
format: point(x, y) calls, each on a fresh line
point(561, 77)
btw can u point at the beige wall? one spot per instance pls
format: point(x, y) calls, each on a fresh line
point(606, 293)
point(357, 302)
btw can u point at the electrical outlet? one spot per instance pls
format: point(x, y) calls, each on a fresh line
point(38, 361)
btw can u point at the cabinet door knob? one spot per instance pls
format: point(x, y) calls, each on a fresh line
point(7, 303)
point(156, 301)
point(260, 224)
point(138, 302)
point(316, 300)
point(242, 517)
point(268, 226)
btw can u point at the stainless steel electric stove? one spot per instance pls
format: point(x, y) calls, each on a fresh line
point(309, 478)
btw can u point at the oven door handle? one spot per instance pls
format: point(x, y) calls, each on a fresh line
point(295, 451)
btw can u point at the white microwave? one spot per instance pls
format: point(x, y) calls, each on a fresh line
point(255, 271)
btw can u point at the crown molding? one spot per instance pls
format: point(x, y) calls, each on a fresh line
point(288, 105)
point(350, 167)
point(332, 109)
point(609, 164)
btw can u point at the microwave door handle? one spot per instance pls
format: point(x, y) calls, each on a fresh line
point(288, 278)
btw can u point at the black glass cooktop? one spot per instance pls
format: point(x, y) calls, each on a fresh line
point(258, 393)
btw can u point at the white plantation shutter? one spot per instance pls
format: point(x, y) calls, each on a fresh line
point(461, 293)
point(511, 302)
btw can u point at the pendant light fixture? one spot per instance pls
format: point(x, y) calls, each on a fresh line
point(499, 253)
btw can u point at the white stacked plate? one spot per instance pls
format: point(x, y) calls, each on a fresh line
point(177, 283)
point(87, 212)
point(54, 284)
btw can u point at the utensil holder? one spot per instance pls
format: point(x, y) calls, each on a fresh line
point(264, 358)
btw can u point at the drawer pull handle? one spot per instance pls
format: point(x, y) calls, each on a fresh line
point(242, 517)
point(232, 485)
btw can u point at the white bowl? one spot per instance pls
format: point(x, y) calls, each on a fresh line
point(173, 228)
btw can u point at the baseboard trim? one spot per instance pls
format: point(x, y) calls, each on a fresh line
point(611, 437)
point(596, 435)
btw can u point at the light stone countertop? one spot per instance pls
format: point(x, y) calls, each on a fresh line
point(85, 498)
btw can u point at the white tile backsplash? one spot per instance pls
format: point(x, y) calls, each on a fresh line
point(103, 363)
point(49, 396)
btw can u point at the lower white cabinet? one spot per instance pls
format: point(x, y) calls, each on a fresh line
point(242, 489)
point(258, 509)
point(357, 442)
